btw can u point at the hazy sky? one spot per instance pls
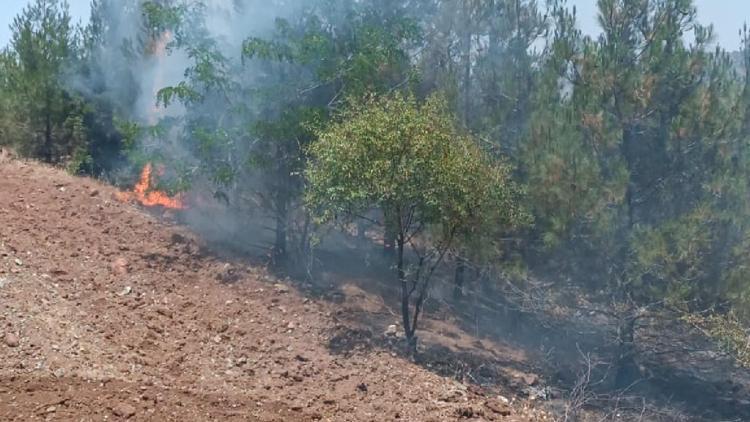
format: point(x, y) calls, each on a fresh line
point(726, 15)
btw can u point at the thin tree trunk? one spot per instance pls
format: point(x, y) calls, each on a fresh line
point(467, 65)
point(389, 235)
point(304, 243)
point(405, 296)
point(47, 153)
point(458, 279)
point(281, 228)
point(627, 370)
point(282, 207)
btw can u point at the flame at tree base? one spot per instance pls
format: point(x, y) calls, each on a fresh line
point(143, 194)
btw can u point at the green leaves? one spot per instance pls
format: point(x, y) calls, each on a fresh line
point(410, 160)
point(181, 92)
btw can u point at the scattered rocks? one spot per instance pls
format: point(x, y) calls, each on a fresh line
point(11, 340)
point(124, 410)
point(175, 344)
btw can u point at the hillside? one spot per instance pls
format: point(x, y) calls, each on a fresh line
point(109, 312)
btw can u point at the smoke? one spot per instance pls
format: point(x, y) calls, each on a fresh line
point(140, 50)
point(129, 69)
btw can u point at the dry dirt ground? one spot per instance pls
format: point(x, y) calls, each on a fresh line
point(108, 312)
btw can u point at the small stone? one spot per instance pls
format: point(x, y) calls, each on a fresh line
point(217, 339)
point(498, 406)
point(126, 291)
point(94, 192)
point(164, 312)
point(391, 331)
point(530, 379)
point(11, 340)
point(18, 262)
point(280, 288)
point(124, 410)
point(51, 409)
point(468, 412)
point(119, 266)
point(362, 387)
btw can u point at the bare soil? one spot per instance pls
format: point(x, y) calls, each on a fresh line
point(108, 311)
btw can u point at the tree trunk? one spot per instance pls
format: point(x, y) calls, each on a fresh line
point(458, 279)
point(281, 206)
point(411, 340)
point(627, 369)
point(47, 148)
point(281, 229)
point(361, 229)
point(467, 65)
point(389, 235)
point(628, 151)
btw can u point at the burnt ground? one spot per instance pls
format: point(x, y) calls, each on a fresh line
point(111, 312)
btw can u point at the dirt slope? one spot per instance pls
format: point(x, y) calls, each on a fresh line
point(107, 312)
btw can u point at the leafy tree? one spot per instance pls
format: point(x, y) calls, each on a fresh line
point(411, 161)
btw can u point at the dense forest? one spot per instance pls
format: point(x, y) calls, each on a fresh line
point(484, 140)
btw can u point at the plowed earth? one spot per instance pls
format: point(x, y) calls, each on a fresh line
point(108, 312)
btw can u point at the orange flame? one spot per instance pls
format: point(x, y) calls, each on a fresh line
point(143, 193)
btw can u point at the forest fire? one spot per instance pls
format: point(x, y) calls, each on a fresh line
point(146, 196)
point(143, 191)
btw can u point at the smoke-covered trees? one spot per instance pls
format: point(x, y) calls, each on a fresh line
point(623, 152)
point(410, 161)
point(631, 146)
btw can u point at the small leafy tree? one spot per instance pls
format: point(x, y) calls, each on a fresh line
point(431, 181)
